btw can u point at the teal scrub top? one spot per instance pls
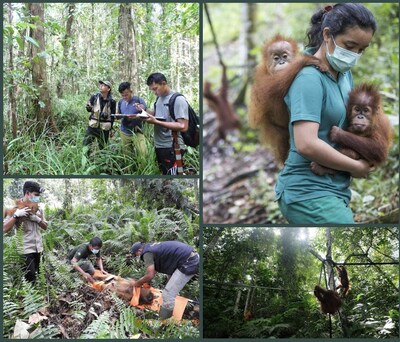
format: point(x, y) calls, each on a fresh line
point(314, 96)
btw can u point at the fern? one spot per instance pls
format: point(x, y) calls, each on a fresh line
point(117, 243)
point(119, 303)
point(32, 299)
point(61, 277)
point(42, 283)
point(51, 331)
point(125, 325)
point(176, 331)
point(119, 221)
point(10, 308)
point(13, 261)
point(99, 328)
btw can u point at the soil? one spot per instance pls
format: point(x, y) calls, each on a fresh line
point(238, 186)
point(89, 304)
point(84, 300)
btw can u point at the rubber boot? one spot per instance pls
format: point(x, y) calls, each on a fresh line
point(164, 313)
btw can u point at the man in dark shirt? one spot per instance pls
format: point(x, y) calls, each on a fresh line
point(101, 106)
point(176, 259)
point(79, 258)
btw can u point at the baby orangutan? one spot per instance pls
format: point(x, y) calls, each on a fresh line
point(273, 77)
point(344, 280)
point(20, 204)
point(368, 135)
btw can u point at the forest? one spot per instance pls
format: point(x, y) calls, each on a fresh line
point(120, 212)
point(259, 282)
point(239, 172)
point(54, 55)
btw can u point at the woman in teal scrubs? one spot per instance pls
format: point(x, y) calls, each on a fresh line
point(317, 101)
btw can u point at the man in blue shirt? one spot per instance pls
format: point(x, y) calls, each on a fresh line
point(132, 136)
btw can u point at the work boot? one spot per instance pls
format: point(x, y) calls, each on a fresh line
point(164, 313)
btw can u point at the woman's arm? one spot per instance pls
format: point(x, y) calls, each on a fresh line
point(309, 145)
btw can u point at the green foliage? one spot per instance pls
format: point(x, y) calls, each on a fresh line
point(99, 328)
point(277, 262)
point(66, 155)
point(32, 299)
point(75, 61)
point(110, 209)
point(49, 332)
point(125, 326)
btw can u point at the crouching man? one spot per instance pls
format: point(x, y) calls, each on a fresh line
point(176, 259)
point(79, 258)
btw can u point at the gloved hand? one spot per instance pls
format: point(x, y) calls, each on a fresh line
point(89, 107)
point(35, 218)
point(22, 212)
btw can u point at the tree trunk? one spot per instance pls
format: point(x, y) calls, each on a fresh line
point(247, 35)
point(126, 47)
point(67, 203)
point(89, 53)
point(214, 241)
point(246, 46)
point(12, 89)
point(42, 103)
point(196, 190)
point(66, 43)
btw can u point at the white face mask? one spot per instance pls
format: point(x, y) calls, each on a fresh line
point(34, 198)
point(95, 251)
point(341, 59)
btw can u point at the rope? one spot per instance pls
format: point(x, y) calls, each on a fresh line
point(326, 280)
point(320, 274)
point(326, 286)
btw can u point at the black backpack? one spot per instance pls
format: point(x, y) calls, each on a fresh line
point(192, 136)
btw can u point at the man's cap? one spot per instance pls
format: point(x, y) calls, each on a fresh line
point(31, 186)
point(135, 247)
point(107, 83)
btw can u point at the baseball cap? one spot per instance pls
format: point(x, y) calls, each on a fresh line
point(107, 83)
point(135, 247)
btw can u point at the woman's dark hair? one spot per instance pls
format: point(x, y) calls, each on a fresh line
point(157, 78)
point(339, 18)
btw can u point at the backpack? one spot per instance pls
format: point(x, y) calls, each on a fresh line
point(191, 136)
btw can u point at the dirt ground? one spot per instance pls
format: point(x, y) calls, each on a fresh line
point(238, 187)
point(74, 311)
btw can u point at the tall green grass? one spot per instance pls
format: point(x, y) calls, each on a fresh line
point(39, 153)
